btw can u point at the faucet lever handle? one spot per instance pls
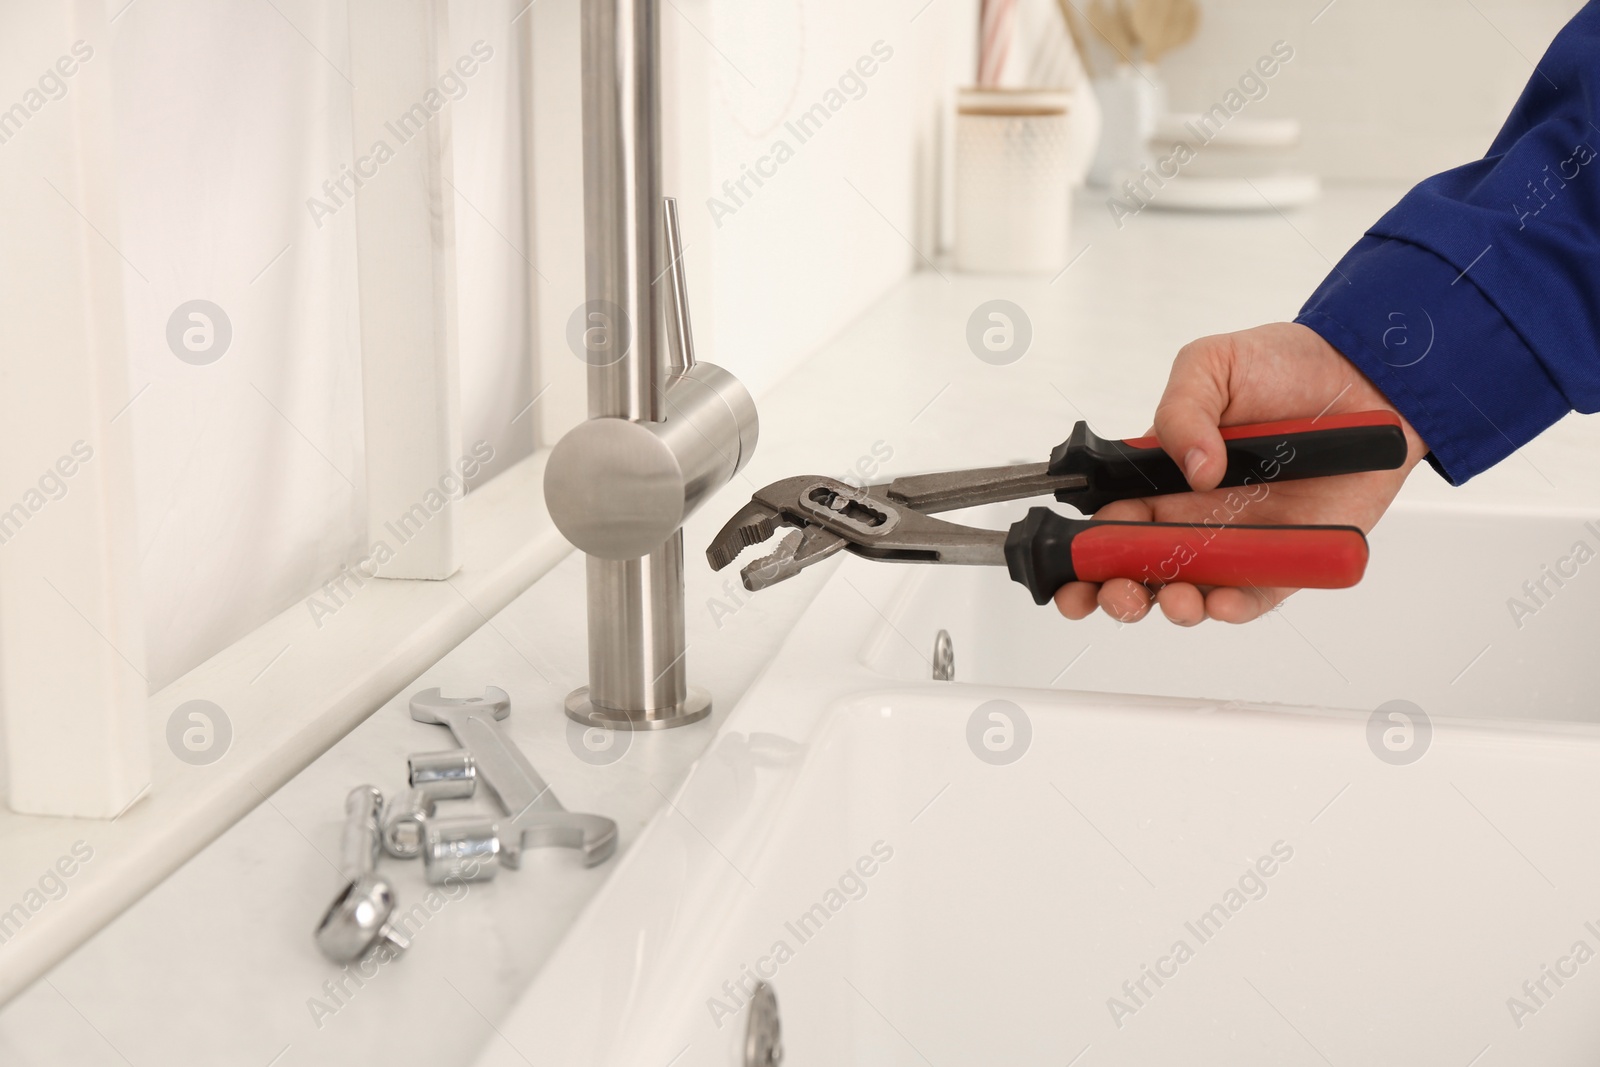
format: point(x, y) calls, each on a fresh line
point(680, 337)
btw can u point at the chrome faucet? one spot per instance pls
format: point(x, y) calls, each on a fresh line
point(664, 430)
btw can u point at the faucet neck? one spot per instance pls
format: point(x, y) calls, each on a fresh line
point(624, 246)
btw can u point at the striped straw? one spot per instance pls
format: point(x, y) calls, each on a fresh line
point(996, 29)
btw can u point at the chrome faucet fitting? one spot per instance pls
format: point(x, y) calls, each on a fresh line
point(664, 430)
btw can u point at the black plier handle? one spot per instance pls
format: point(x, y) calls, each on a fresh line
point(1089, 471)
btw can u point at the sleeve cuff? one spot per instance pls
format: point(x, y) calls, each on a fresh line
point(1436, 346)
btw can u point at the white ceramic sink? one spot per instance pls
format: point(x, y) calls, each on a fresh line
point(968, 911)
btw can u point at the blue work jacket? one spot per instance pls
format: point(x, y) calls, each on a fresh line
point(1474, 304)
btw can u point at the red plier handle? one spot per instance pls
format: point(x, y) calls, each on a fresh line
point(1046, 551)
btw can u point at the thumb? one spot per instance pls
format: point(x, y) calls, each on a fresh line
point(1191, 409)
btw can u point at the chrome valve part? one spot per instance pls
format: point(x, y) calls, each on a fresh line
point(944, 657)
point(467, 848)
point(763, 1035)
point(448, 775)
point(357, 921)
point(434, 776)
point(403, 820)
point(619, 489)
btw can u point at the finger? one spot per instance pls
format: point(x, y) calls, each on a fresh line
point(1191, 409)
point(1135, 510)
point(1076, 600)
point(1226, 604)
point(1182, 603)
point(1124, 600)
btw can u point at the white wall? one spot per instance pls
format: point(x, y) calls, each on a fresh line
point(1387, 90)
point(804, 253)
point(854, 210)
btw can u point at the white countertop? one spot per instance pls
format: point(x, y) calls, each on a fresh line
point(216, 965)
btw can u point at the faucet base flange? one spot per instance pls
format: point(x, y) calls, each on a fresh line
point(696, 706)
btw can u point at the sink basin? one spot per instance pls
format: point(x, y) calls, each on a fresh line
point(1166, 863)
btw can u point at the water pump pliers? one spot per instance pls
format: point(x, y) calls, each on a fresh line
point(1044, 551)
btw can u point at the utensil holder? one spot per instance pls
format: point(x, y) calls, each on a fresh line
point(1012, 182)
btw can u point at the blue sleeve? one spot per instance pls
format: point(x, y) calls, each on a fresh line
point(1474, 304)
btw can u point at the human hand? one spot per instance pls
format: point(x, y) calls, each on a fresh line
point(1279, 371)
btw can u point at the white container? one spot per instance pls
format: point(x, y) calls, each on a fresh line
point(1012, 183)
point(1131, 100)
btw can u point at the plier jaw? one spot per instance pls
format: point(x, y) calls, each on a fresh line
point(829, 515)
point(751, 525)
point(773, 507)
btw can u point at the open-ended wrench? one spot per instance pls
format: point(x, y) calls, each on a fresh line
point(537, 818)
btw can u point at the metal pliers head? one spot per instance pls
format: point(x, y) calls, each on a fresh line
point(771, 507)
point(829, 515)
